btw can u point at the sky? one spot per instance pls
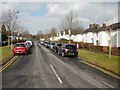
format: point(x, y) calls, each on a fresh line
point(42, 15)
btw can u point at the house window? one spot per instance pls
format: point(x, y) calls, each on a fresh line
point(97, 34)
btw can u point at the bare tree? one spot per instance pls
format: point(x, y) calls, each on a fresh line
point(39, 34)
point(71, 22)
point(53, 31)
point(26, 34)
point(10, 20)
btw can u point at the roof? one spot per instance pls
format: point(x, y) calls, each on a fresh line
point(113, 26)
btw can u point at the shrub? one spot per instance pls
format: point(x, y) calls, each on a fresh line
point(114, 50)
point(105, 49)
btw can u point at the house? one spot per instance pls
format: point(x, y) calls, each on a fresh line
point(78, 38)
point(102, 36)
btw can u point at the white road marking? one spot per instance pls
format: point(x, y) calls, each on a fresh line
point(59, 79)
point(107, 84)
point(83, 74)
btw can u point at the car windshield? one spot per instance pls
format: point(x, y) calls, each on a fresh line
point(71, 47)
point(19, 45)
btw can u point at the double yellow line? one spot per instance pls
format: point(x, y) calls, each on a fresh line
point(8, 63)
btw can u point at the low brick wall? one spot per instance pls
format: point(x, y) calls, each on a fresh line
point(103, 49)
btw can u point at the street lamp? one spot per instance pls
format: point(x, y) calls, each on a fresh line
point(108, 29)
point(69, 31)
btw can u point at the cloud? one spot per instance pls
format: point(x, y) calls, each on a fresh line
point(87, 12)
point(36, 23)
point(60, 0)
point(21, 6)
point(95, 12)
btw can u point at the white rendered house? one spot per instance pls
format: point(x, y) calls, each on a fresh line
point(102, 37)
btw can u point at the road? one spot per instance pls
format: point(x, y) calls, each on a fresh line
point(44, 68)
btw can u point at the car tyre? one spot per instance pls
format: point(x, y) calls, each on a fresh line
point(59, 52)
point(26, 53)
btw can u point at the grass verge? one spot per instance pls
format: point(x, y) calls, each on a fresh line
point(6, 53)
point(101, 60)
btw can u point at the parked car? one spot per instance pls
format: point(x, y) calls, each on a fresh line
point(45, 43)
point(30, 43)
point(68, 50)
point(41, 42)
point(20, 48)
point(56, 47)
point(48, 44)
point(52, 45)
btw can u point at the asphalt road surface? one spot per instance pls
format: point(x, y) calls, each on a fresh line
point(44, 68)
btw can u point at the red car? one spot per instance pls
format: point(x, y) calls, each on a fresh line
point(20, 48)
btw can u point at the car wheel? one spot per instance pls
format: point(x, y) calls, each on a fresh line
point(59, 52)
point(26, 53)
point(63, 54)
point(55, 50)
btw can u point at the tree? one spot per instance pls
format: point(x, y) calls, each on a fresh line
point(70, 22)
point(4, 34)
point(53, 31)
point(38, 35)
point(26, 34)
point(10, 20)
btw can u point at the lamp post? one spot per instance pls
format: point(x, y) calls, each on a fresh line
point(108, 29)
point(12, 32)
point(69, 31)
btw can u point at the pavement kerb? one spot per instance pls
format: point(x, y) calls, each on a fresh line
point(8, 63)
point(99, 68)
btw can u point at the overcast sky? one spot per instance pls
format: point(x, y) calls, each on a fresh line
point(43, 15)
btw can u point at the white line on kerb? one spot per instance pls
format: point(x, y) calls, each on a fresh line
point(59, 79)
point(107, 84)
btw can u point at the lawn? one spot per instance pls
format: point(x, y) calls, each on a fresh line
point(6, 53)
point(100, 59)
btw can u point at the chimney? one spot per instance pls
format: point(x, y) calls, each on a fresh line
point(94, 25)
point(97, 26)
point(104, 25)
point(90, 26)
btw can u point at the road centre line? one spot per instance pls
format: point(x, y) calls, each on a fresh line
point(90, 79)
point(81, 73)
point(59, 79)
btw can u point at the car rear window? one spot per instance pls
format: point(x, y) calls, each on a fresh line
point(71, 47)
point(19, 45)
point(59, 45)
